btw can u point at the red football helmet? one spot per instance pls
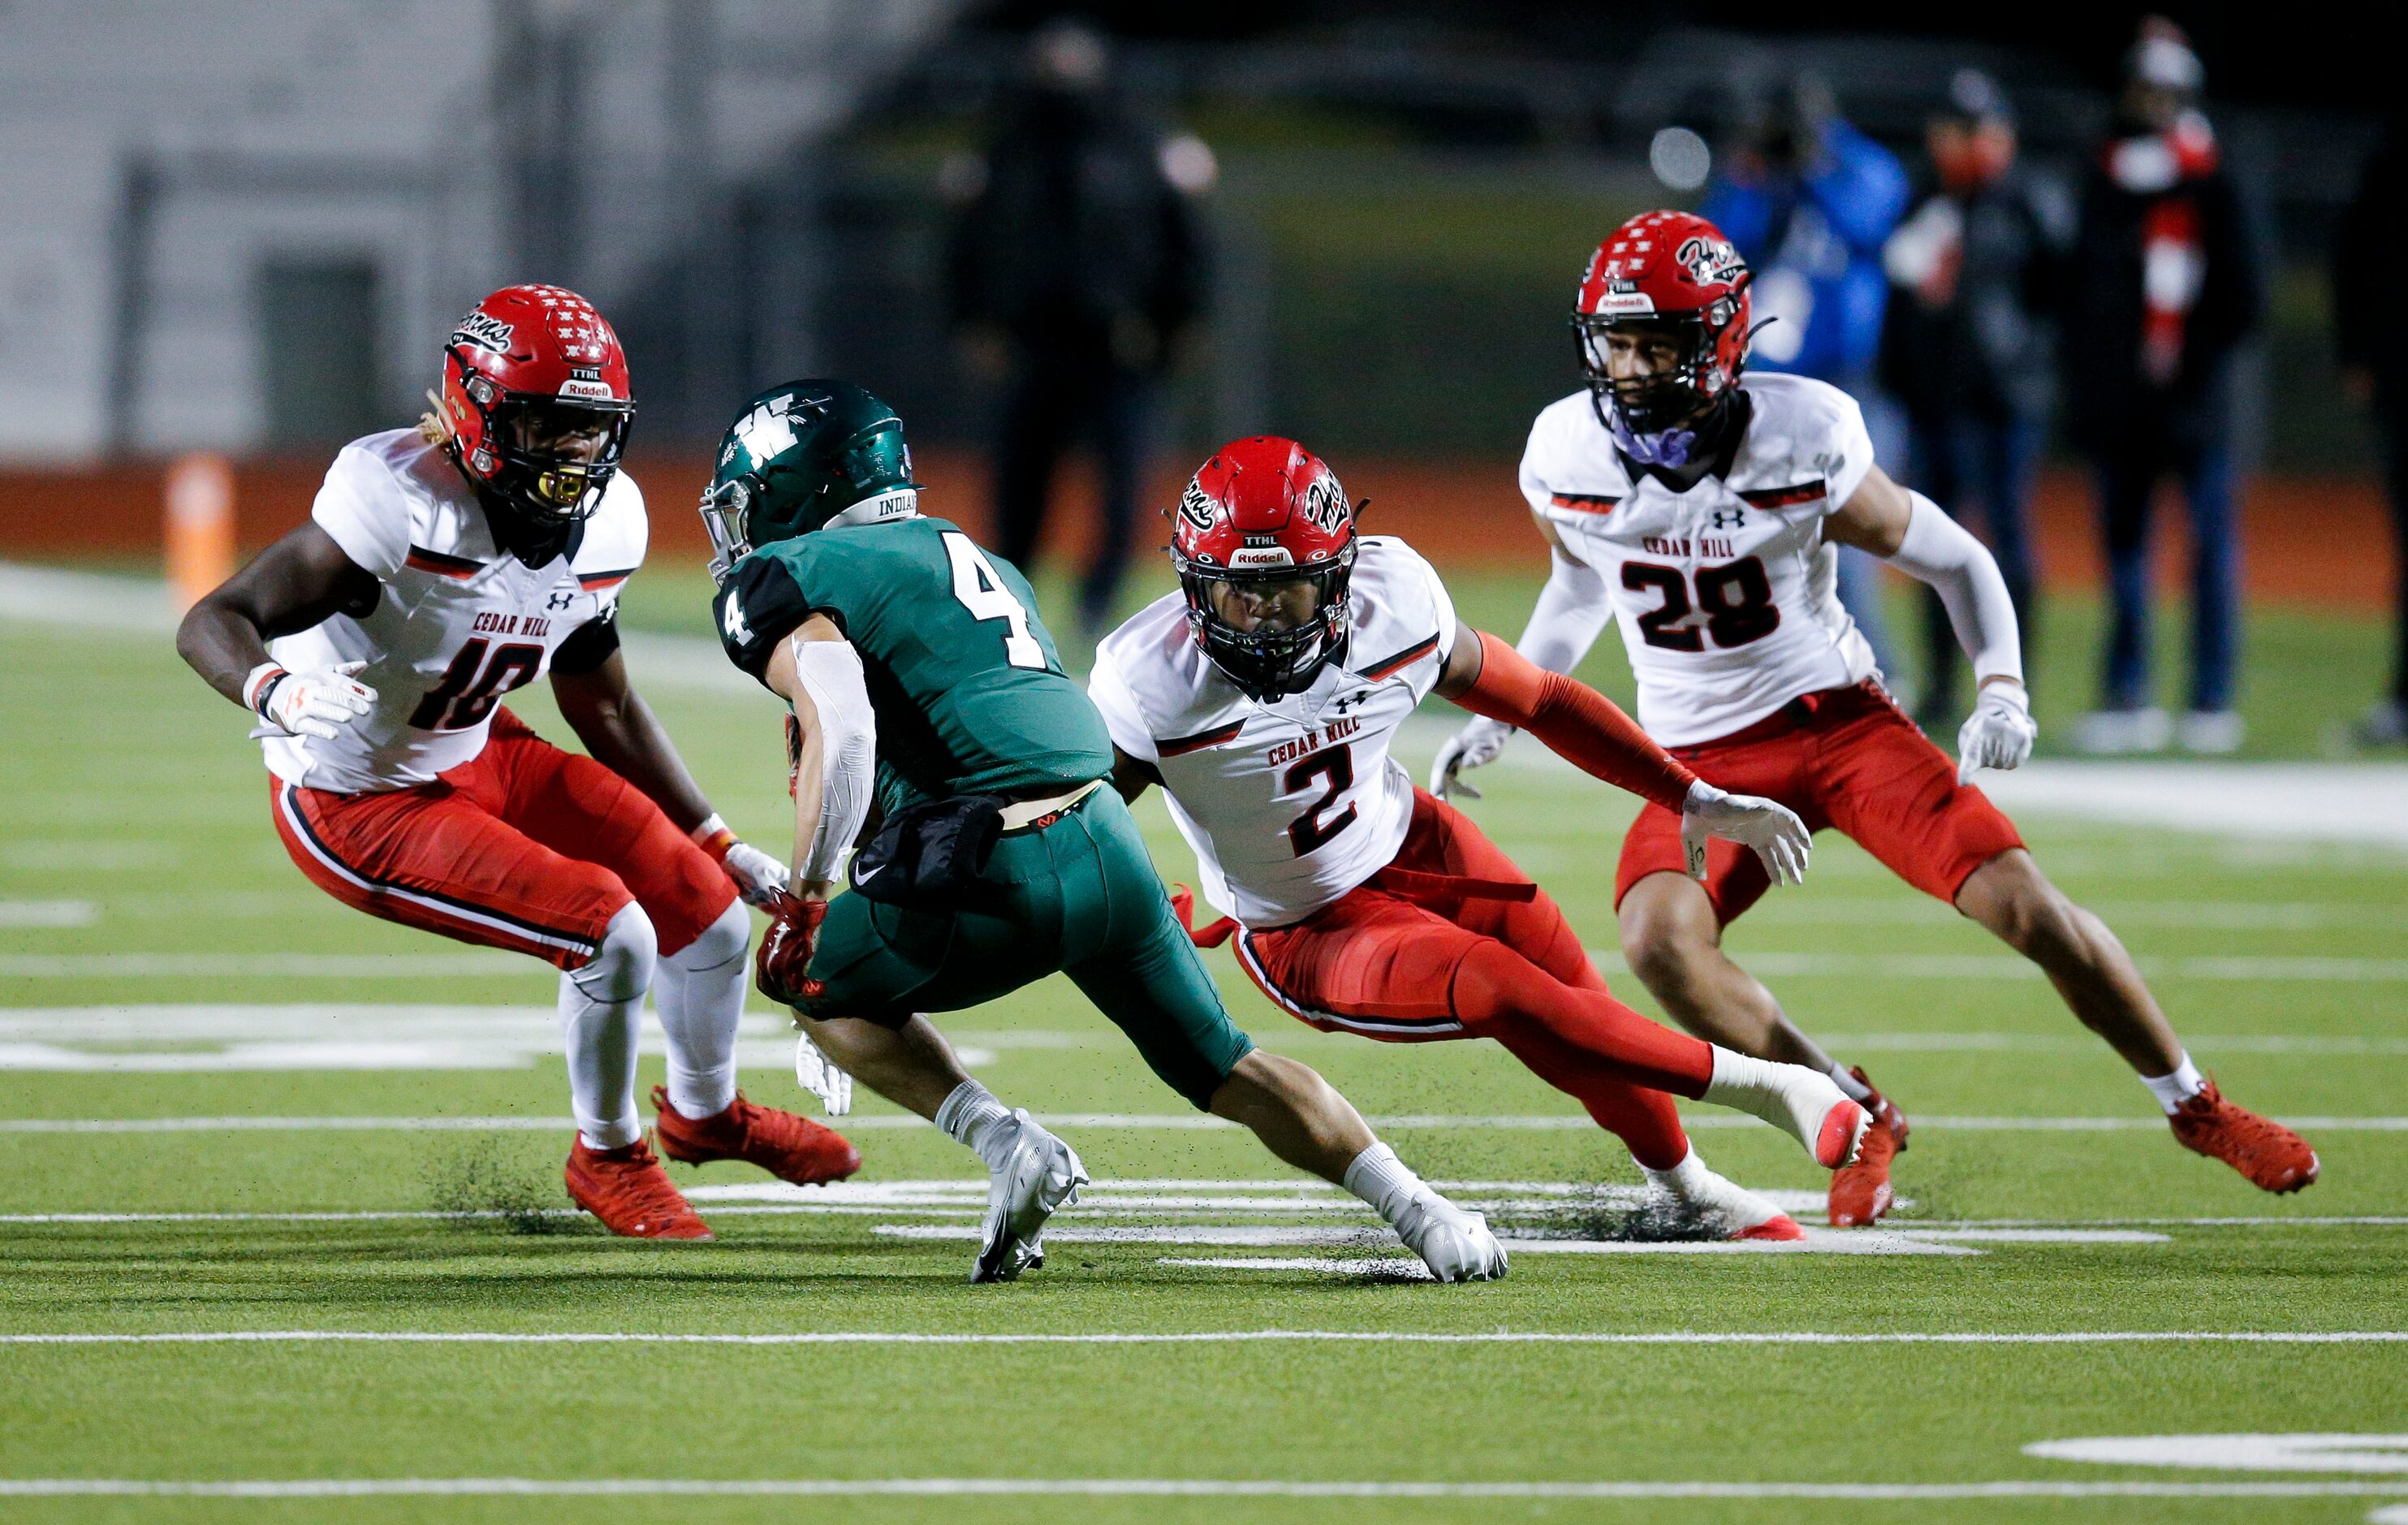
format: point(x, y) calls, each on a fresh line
point(1264, 540)
point(1660, 271)
point(535, 403)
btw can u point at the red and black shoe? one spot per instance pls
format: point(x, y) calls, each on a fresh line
point(789, 1146)
point(1861, 1192)
point(2272, 1157)
point(631, 1193)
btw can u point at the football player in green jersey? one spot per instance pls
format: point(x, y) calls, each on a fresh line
point(918, 671)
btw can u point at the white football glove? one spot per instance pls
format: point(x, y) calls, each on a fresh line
point(820, 1076)
point(313, 703)
point(758, 876)
point(1999, 733)
point(1476, 745)
point(1773, 829)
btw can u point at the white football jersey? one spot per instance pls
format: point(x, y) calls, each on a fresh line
point(1290, 804)
point(1727, 594)
point(458, 621)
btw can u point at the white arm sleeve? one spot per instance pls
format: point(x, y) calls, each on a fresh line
point(1570, 613)
point(831, 675)
point(1939, 551)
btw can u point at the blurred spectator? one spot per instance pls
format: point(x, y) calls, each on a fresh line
point(2164, 285)
point(2372, 332)
point(1808, 202)
point(1968, 348)
point(1074, 268)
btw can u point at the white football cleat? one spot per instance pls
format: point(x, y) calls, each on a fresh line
point(1038, 1175)
point(1720, 1205)
point(1455, 1245)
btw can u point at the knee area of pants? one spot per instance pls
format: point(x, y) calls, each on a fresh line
point(622, 964)
point(722, 939)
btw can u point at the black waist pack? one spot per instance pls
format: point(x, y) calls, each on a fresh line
point(929, 854)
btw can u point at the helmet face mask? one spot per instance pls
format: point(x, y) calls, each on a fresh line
point(1263, 544)
point(557, 456)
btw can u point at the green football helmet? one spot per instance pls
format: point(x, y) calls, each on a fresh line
point(801, 456)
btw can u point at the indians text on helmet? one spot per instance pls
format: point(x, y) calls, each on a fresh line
point(1197, 508)
point(484, 331)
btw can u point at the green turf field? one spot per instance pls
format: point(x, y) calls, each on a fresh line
point(223, 1109)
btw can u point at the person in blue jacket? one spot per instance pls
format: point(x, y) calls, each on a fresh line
point(1810, 201)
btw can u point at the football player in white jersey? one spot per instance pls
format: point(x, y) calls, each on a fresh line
point(1262, 699)
point(1703, 512)
point(441, 568)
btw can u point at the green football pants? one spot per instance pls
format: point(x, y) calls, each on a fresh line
point(1081, 896)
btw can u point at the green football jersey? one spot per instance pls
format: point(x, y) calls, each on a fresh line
point(969, 689)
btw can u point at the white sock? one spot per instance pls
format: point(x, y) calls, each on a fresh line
point(601, 1010)
point(2173, 1090)
point(1790, 1096)
point(1382, 1180)
point(1685, 1179)
point(1858, 1091)
point(969, 1116)
point(699, 992)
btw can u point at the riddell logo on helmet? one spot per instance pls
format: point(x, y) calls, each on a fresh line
point(484, 331)
point(1261, 556)
point(598, 391)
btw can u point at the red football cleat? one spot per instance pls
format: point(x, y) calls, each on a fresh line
point(1780, 1228)
point(1861, 1192)
point(789, 1147)
point(629, 1191)
point(2272, 1157)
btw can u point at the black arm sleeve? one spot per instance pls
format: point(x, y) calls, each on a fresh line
point(587, 647)
point(759, 605)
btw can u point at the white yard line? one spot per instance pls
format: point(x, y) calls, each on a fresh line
point(2214, 915)
point(320, 966)
point(1817, 1241)
point(1206, 1488)
point(1249, 1336)
point(1172, 1122)
point(1979, 966)
point(48, 913)
point(1784, 965)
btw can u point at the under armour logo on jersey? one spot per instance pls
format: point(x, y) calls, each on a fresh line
point(1738, 518)
point(561, 599)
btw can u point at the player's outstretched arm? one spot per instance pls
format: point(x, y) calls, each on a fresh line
point(834, 754)
point(1565, 623)
point(301, 581)
point(1583, 727)
point(1915, 535)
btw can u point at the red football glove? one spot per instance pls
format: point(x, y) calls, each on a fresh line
point(781, 965)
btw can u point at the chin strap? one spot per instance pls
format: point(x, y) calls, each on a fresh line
point(1577, 722)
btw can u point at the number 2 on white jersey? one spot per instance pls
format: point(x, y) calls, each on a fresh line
point(979, 588)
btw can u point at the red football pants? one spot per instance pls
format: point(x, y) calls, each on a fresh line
point(1845, 758)
point(524, 846)
point(1405, 959)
